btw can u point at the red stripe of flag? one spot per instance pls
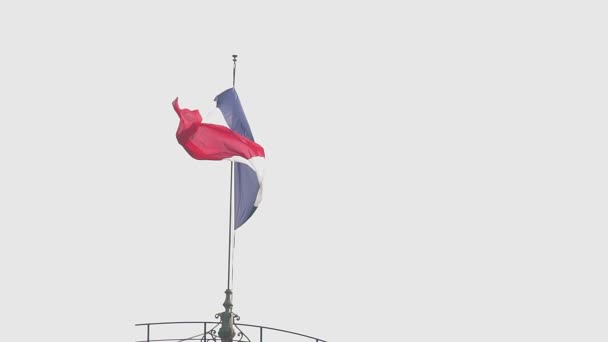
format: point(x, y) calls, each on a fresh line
point(211, 142)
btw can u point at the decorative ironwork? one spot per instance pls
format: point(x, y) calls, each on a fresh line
point(212, 334)
point(240, 334)
point(227, 331)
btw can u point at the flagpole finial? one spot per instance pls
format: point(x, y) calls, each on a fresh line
point(234, 70)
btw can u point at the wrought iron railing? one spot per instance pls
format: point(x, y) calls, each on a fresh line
point(209, 332)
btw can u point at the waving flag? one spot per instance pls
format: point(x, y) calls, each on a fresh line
point(226, 137)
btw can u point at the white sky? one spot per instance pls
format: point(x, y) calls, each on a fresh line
point(436, 170)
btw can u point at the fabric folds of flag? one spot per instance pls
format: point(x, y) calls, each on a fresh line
point(226, 136)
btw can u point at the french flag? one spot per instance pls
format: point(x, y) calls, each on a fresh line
point(226, 135)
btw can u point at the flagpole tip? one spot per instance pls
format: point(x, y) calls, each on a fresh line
point(234, 57)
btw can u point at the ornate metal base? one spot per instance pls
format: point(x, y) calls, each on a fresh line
point(226, 330)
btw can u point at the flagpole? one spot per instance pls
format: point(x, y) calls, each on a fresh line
point(230, 225)
point(227, 330)
point(233, 166)
point(231, 234)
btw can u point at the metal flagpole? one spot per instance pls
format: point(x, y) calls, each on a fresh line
point(233, 200)
point(227, 331)
point(230, 225)
point(231, 216)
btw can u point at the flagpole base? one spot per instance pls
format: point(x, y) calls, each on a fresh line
point(227, 330)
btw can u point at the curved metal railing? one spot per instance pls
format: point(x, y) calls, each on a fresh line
point(249, 333)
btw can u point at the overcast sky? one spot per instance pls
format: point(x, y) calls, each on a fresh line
point(436, 171)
